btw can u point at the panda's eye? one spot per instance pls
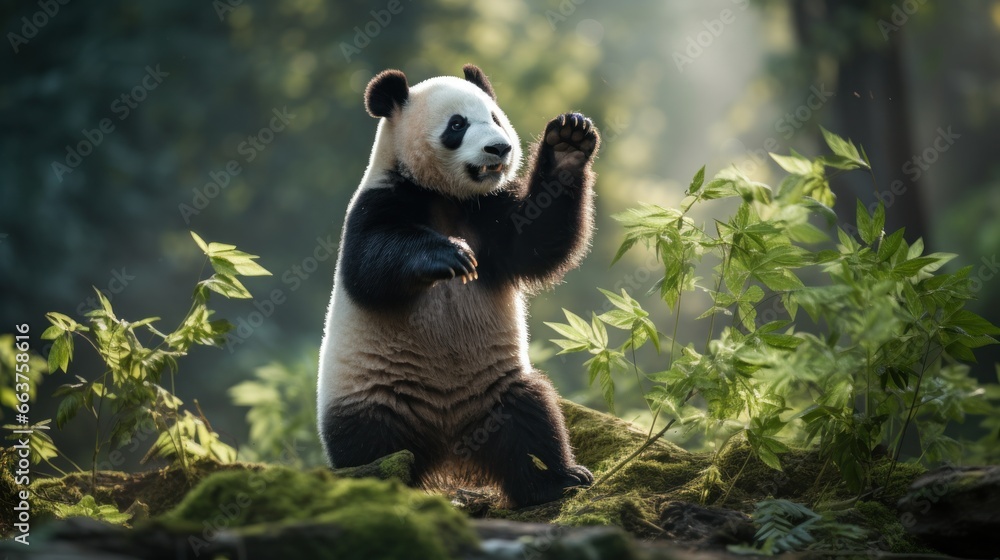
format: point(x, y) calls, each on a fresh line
point(457, 123)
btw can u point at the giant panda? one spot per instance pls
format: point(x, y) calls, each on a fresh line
point(425, 345)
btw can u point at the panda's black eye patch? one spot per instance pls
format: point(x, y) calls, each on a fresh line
point(496, 120)
point(453, 134)
point(457, 122)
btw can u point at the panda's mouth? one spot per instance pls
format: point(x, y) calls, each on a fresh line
point(482, 172)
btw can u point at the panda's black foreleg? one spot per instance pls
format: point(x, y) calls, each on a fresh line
point(388, 257)
point(354, 437)
point(526, 447)
point(552, 223)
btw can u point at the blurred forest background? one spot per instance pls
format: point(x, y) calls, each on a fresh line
point(182, 87)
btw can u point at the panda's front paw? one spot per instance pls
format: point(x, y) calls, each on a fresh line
point(572, 138)
point(452, 258)
point(581, 475)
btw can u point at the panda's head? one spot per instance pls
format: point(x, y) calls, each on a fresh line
point(445, 133)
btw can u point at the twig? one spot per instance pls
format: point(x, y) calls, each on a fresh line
point(649, 441)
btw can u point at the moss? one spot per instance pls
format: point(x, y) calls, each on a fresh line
point(599, 439)
point(398, 465)
point(895, 487)
point(885, 526)
point(160, 489)
point(628, 499)
point(362, 512)
point(632, 511)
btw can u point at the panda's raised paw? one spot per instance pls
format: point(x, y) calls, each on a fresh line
point(572, 137)
point(451, 259)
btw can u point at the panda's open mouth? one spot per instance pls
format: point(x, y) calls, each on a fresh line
point(482, 172)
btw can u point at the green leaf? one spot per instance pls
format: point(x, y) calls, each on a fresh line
point(822, 209)
point(59, 354)
point(600, 333)
point(840, 162)
point(971, 323)
point(69, 406)
point(844, 148)
point(697, 181)
point(889, 245)
point(226, 285)
point(201, 242)
point(865, 224)
point(621, 302)
point(878, 221)
point(237, 263)
point(618, 318)
point(568, 331)
point(913, 266)
point(53, 332)
point(794, 164)
point(625, 246)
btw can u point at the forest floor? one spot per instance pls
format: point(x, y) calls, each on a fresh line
point(667, 503)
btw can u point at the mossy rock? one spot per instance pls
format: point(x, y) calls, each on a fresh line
point(152, 492)
point(359, 513)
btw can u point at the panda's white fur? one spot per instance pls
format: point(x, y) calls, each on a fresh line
point(456, 352)
point(350, 330)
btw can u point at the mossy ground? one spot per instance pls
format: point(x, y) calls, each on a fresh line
point(636, 495)
point(367, 518)
point(260, 501)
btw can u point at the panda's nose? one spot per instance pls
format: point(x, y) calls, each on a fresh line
point(498, 150)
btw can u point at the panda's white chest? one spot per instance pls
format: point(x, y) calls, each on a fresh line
point(457, 339)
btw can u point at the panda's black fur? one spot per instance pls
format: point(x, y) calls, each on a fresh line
point(425, 344)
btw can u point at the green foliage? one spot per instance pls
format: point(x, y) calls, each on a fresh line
point(785, 526)
point(87, 507)
point(878, 351)
point(136, 356)
point(282, 415)
point(29, 373)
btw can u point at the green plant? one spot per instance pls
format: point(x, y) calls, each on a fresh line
point(879, 353)
point(785, 526)
point(136, 356)
point(88, 507)
point(282, 415)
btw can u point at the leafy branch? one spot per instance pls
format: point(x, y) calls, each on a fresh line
point(131, 388)
point(880, 352)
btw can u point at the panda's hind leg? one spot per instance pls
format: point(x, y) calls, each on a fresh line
point(526, 450)
point(354, 436)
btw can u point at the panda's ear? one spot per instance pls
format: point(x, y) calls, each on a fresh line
point(385, 93)
point(476, 76)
